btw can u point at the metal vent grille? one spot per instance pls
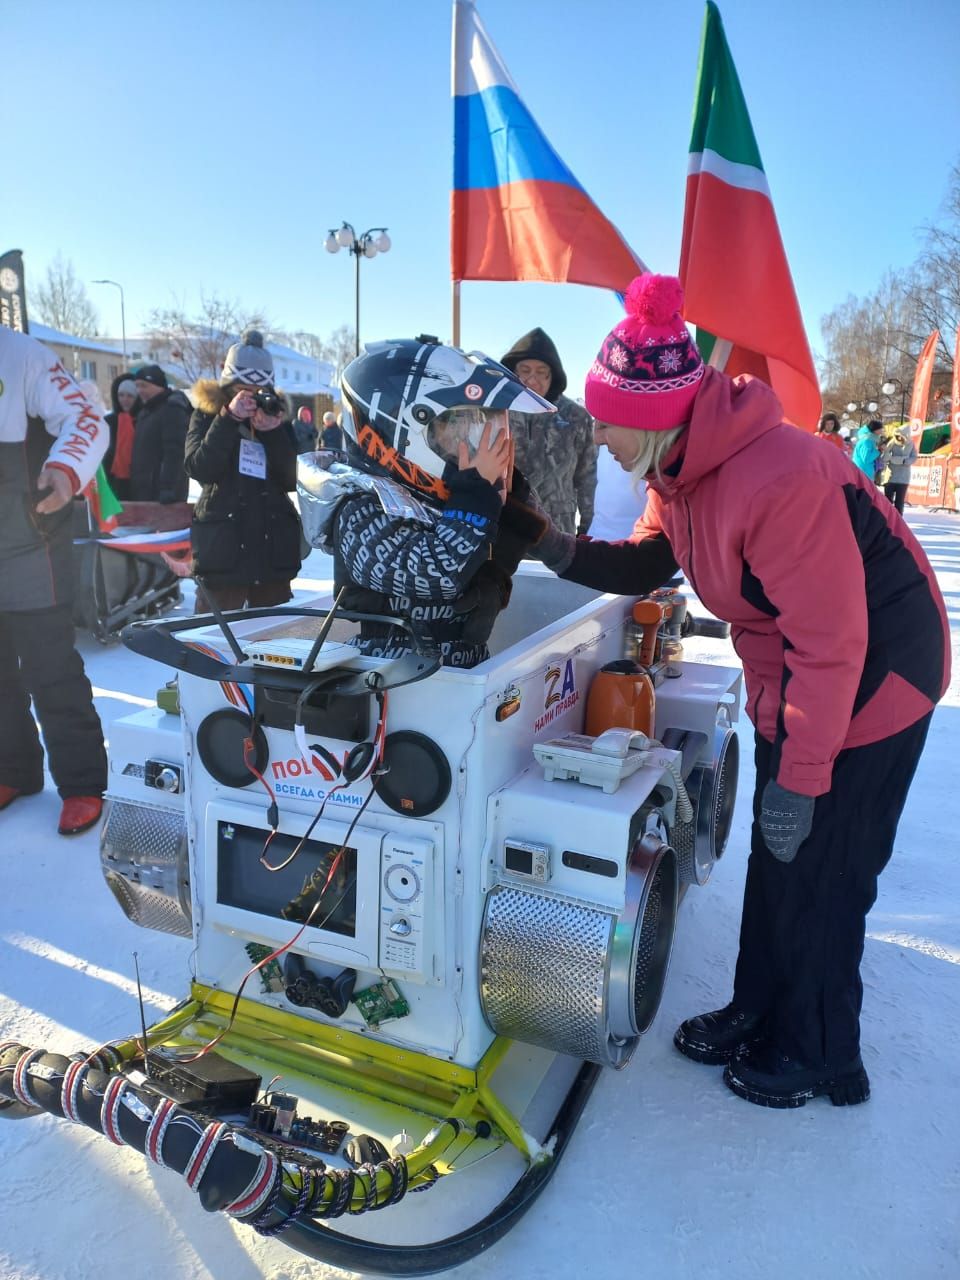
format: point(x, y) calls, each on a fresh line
point(683, 843)
point(576, 978)
point(653, 946)
point(543, 971)
point(143, 856)
point(725, 791)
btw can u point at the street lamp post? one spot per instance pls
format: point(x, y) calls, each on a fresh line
point(862, 406)
point(123, 316)
point(368, 245)
point(889, 387)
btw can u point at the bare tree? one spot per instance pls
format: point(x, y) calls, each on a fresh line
point(869, 340)
point(339, 348)
point(937, 273)
point(198, 344)
point(309, 344)
point(873, 339)
point(61, 301)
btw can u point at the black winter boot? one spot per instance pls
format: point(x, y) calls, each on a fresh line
point(760, 1073)
point(713, 1037)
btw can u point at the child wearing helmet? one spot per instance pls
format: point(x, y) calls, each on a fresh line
point(429, 519)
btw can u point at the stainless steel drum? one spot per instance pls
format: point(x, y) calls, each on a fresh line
point(143, 856)
point(576, 978)
point(713, 791)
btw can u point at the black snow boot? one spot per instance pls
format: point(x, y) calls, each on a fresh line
point(713, 1037)
point(760, 1073)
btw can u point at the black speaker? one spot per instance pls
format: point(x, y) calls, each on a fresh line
point(417, 780)
point(220, 740)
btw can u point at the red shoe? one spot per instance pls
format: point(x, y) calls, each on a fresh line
point(9, 794)
point(79, 813)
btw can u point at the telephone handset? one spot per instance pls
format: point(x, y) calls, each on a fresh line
point(618, 742)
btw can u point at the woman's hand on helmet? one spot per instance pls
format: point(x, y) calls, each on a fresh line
point(492, 457)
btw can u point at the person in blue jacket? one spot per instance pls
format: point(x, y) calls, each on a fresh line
point(866, 452)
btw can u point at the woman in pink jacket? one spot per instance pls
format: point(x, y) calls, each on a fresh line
point(836, 614)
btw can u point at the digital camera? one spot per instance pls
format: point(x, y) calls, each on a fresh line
point(270, 402)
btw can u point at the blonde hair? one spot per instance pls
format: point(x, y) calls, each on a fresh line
point(654, 447)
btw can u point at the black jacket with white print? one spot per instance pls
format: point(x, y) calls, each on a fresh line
point(448, 577)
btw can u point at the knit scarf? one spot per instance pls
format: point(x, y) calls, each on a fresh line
point(123, 452)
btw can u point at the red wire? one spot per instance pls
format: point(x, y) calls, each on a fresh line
point(379, 740)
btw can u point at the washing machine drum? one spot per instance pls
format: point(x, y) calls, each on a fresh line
point(576, 978)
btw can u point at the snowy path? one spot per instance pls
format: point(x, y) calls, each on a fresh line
point(668, 1175)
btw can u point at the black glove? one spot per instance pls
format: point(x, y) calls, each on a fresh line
point(554, 548)
point(785, 820)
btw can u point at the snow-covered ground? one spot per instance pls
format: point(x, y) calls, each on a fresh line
point(668, 1174)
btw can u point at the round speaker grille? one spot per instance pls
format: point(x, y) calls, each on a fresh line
point(418, 778)
point(220, 740)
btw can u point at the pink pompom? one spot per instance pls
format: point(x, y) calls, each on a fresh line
point(654, 299)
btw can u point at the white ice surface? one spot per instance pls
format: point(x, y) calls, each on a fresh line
point(668, 1175)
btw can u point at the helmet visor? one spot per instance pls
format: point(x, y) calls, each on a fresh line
point(464, 425)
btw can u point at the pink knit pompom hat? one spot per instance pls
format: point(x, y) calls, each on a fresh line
point(648, 371)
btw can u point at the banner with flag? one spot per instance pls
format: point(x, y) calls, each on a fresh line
point(13, 293)
point(921, 387)
point(739, 291)
point(517, 212)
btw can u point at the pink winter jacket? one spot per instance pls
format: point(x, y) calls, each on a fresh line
point(833, 606)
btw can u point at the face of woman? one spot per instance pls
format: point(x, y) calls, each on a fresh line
point(623, 442)
point(125, 400)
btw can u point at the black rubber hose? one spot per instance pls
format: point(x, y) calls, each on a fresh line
point(373, 1258)
point(230, 1170)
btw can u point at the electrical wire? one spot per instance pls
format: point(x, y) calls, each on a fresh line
point(379, 738)
point(279, 951)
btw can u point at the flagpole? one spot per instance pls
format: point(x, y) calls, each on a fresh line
point(455, 297)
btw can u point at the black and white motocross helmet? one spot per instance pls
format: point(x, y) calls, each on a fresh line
point(408, 403)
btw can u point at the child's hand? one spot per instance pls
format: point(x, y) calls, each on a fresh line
point(491, 459)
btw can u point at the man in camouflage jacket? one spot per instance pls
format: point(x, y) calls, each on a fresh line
point(555, 451)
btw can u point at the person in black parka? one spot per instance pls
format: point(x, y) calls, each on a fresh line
point(246, 531)
point(156, 467)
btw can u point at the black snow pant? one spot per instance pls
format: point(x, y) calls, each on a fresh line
point(803, 924)
point(38, 661)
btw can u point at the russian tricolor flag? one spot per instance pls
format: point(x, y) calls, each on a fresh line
point(517, 212)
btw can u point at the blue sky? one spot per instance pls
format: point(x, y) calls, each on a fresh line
point(178, 147)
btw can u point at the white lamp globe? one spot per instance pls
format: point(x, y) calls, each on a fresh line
point(888, 388)
point(383, 242)
point(345, 237)
point(331, 244)
point(369, 249)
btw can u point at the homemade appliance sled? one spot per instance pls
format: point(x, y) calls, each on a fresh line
point(425, 909)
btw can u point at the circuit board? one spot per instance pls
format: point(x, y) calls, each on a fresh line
point(271, 975)
point(381, 1003)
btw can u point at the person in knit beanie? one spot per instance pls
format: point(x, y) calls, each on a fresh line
point(841, 627)
point(246, 536)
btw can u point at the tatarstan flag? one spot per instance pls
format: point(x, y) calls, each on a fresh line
point(103, 502)
point(734, 270)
